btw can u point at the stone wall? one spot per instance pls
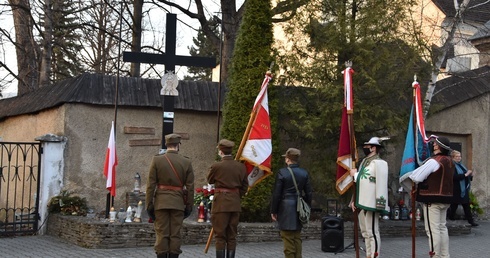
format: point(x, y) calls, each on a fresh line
point(98, 233)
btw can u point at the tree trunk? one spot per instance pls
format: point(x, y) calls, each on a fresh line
point(230, 24)
point(45, 71)
point(26, 48)
point(136, 41)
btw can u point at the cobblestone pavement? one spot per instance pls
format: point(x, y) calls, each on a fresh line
point(476, 244)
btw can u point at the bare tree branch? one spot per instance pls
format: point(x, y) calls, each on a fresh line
point(460, 9)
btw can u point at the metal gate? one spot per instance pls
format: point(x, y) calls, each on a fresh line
point(20, 171)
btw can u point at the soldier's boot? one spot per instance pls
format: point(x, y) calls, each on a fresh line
point(162, 255)
point(171, 255)
point(220, 253)
point(473, 223)
point(230, 254)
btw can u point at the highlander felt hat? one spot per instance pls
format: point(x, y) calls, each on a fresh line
point(374, 141)
point(292, 152)
point(443, 142)
point(172, 138)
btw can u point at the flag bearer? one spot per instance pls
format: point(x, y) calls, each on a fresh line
point(434, 181)
point(230, 181)
point(371, 195)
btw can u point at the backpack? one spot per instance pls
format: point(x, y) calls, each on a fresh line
point(302, 207)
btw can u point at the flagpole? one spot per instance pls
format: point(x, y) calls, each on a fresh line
point(353, 165)
point(208, 243)
point(110, 199)
point(412, 192)
point(352, 142)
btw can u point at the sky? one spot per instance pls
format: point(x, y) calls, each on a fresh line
point(186, 30)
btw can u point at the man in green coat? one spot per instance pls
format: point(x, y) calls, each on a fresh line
point(166, 202)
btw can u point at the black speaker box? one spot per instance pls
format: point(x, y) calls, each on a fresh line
point(332, 234)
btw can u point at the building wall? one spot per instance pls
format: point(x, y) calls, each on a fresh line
point(87, 129)
point(427, 17)
point(85, 174)
point(27, 127)
point(468, 123)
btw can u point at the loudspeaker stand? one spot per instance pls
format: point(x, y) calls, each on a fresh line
point(351, 245)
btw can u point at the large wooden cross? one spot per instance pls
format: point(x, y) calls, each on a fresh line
point(170, 60)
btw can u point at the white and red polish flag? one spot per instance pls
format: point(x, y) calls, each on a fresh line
point(257, 151)
point(111, 163)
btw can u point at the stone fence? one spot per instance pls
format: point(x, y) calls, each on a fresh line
point(99, 233)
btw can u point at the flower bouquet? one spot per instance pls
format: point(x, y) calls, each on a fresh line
point(204, 195)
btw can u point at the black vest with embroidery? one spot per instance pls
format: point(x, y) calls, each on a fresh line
point(438, 187)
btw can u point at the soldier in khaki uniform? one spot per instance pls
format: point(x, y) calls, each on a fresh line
point(230, 180)
point(169, 173)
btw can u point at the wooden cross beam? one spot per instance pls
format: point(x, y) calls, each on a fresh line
point(170, 60)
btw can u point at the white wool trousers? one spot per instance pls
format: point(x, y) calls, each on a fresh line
point(369, 225)
point(435, 227)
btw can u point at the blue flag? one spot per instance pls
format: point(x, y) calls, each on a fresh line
point(409, 163)
point(416, 143)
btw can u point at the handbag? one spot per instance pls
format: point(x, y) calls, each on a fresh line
point(304, 211)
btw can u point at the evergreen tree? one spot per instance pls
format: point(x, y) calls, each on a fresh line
point(367, 33)
point(60, 41)
point(66, 48)
point(204, 48)
point(251, 59)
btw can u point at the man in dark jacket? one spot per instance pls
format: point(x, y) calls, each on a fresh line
point(169, 173)
point(434, 181)
point(230, 181)
point(284, 202)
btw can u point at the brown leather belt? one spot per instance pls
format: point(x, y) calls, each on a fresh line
point(170, 187)
point(226, 190)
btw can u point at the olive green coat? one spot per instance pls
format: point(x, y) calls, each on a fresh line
point(161, 173)
point(230, 174)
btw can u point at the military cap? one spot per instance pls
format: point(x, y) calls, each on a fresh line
point(226, 143)
point(292, 152)
point(172, 138)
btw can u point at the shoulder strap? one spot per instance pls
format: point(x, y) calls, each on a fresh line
point(294, 180)
point(173, 169)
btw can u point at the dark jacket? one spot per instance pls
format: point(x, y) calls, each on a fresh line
point(228, 174)
point(285, 198)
